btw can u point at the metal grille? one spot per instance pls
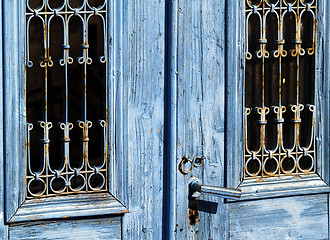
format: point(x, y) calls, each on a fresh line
point(279, 114)
point(66, 58)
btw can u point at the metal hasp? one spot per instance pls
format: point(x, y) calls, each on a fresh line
point(196, 188)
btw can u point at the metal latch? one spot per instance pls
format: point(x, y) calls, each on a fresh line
point(196, 189)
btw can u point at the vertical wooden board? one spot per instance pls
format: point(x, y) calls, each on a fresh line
point(326, 74)
point(14, 113)
point(101, 228)
point(234, 65)
point(301, 217)
point(142, 90)
point(3, 227)
point(201, 108)
point(327, 97)
point(322, 93)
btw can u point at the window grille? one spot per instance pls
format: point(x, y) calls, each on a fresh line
point(279, 114)
point(66, 97)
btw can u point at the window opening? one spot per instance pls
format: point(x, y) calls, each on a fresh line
point(66, 96)
point(279, 114)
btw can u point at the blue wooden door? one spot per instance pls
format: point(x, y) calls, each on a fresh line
point(211, 81)
point(175, 90)
point(131, 40)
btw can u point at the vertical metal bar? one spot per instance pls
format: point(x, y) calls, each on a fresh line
point(263, 126)
point(85, 135)
point(170, 115)
point(66, 139)
point(45, 143)
point(279, 116)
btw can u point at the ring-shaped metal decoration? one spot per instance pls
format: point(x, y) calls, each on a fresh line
point(37, 9)
point(294, 165)
point(311, 108)
point(81, 187)
point(83, 3)
point(183, 162)
point(40, 193)
point(248, 55)
point(306, 2)
point(246, 168)
point(99, 7)
point(272, 2)
point(287, 2)
point(100, 185)
point(51, 184)
point(249, 2)
point(59, 8)
point(273, 172)
point(312, 163)
point(198, 161)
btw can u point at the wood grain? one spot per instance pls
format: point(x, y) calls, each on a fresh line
point(302, 217)
point(101, 228)
point(201, 112)
point(70, 206)
point(140, 118)
point(3, 227)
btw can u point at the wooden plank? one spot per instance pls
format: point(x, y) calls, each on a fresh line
point(82, 205)
point(140, 117)
point(326, 99)
point(201, 113)
point(234, 91)
point(322, 93)
point(282, 186)
point(101, 228)
point(3, 227)
point(301, 217)
point(14, 104)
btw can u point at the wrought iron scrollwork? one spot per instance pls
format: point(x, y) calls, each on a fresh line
point(65, 179)
point(278, 28)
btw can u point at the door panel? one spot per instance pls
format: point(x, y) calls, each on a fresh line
point(141, 97)
point(301, 217)
point(204, 40)
point(99, 228)
point(200, 115)
point(136, 106)
point(210, 79)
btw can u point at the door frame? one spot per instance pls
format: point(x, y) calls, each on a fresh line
point(16, 207)
point(235, 71)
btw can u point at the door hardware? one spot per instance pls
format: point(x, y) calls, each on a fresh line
point(186, 165)
point(182, 165)
point(198, 161)
point(196, 189)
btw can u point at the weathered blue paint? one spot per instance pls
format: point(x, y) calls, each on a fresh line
point(68, 207)
point(14, 105)
point(278, 218)
point(322, 94)
point(98, 228)
point(282, 187)
point(3, 228)
point(176, 86)
point(234, 92)
point(16, 208)
point(302, 217)
point(140, 92)
point(201, 112)
point(317, 183)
